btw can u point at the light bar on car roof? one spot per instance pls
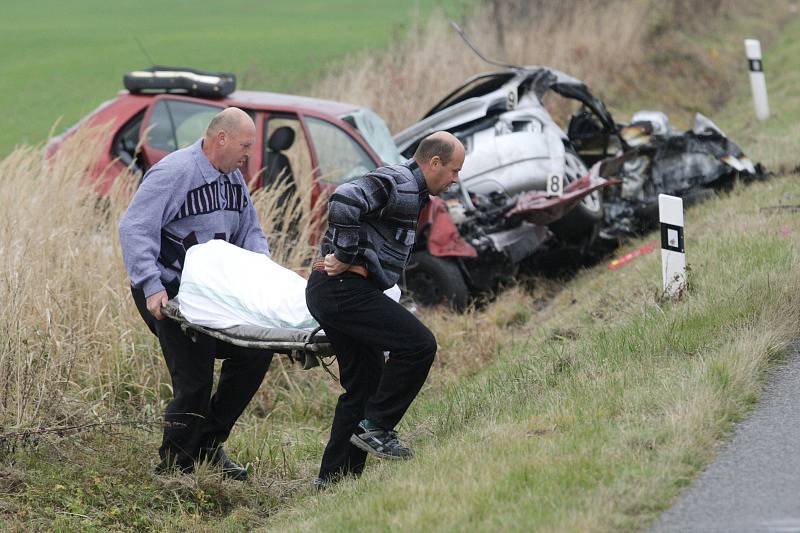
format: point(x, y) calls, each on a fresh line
point(181, 81)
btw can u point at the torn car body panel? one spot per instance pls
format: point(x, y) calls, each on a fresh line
point(538, 208)
point(689, 164)
point(490, 235)
point(443, 238)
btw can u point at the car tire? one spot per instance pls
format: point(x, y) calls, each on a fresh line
point(431, 280)
point(580, 224)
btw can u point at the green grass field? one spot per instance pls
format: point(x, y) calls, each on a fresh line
point(62, 59)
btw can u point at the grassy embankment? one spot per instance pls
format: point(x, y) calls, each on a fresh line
point(617, 397)
point(596, 406)
point(61, 59)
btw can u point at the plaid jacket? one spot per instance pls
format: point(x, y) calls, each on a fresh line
point(372, 220)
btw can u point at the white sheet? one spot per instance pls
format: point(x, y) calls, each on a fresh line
point(223, 286)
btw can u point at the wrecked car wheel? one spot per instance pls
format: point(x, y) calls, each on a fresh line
point(580, 224)
point(431, 280)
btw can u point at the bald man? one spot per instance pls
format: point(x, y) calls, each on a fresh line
point(371, 231)
point(191, 196)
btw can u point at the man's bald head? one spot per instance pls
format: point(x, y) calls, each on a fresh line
point(230, 120)
point(440, 143)
point(228, 139)
point(440, 157)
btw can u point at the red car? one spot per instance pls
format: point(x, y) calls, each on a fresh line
point(335, 141)
point(296, 136)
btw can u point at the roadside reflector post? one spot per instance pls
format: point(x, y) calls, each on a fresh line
point(758, 83)
point(673, 256)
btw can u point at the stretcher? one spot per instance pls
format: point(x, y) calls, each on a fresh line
point(308, 348)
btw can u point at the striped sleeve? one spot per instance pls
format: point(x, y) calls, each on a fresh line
point(351, 203)
point(153, 205)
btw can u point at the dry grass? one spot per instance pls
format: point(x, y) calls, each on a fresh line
point(632, 53)
point(420, 71)
point(290, 222)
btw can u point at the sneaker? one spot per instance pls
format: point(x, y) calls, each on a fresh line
point(378, 441)
point(218, 457)
point(321, 484)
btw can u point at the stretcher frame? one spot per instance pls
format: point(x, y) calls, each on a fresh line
point(307, 348)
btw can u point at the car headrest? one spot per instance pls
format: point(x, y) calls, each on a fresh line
point(281, 139)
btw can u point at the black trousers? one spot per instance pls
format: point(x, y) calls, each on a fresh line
point(361, 323)
point(193, 418)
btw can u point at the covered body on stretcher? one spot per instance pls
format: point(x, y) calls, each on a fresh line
point(246, 299)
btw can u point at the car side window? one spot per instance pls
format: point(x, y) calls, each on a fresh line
point(176, 124)
point(284, 154)
point(126, 143)
point(339, 156)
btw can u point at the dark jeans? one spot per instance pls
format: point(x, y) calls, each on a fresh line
point(194, 419)
point(361, 323)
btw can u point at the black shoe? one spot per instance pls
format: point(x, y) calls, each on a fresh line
point(169, 465)
point(381, 442)
point(218, 457)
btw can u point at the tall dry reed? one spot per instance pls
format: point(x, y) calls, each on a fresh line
point(72, 346)
point(62, 288)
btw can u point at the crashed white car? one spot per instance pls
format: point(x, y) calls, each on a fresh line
point(513, 144)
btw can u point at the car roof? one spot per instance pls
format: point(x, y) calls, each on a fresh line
point(260, 99)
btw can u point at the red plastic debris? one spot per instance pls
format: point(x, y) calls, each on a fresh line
point(627, 258)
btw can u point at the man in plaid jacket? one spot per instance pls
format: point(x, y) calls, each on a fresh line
point(371, 232)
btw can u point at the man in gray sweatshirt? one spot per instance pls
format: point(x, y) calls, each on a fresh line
point(191, 196)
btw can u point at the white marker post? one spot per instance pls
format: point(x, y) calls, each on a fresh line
point(673, 257)
point(758, 82)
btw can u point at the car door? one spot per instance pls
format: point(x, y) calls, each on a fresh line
point(337, 157)
point(173, 122)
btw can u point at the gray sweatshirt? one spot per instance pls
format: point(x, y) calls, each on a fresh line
point(182, 201)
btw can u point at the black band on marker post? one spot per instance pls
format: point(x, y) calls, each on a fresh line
point(674, 246)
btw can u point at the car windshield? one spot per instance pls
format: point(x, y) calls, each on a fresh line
point(340, 157)
point(376, 133)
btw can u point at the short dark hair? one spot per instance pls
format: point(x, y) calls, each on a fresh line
point(432, 146)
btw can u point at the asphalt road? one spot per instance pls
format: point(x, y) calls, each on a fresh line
point(754, 484)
